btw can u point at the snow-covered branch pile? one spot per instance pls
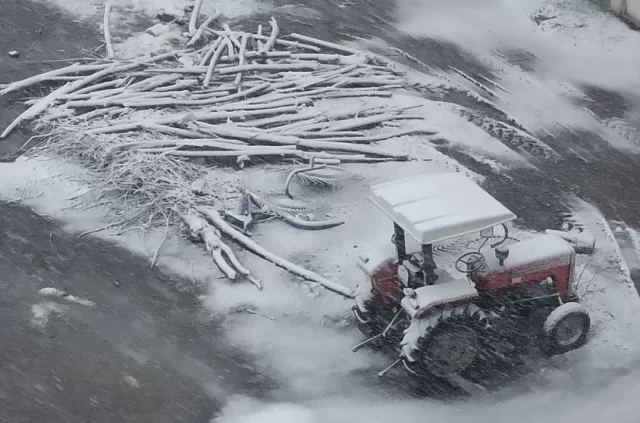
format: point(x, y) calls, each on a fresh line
point(228, 97)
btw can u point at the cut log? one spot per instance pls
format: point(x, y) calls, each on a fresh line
point(355, 123)
point(199, 116)
point(107, 31)
point(200, 32)
point(36, 79)
point(211, 51)
point(193, 21)
point(214, 217)
point(272, 37)
point(322, 79)
point(170, 130)
point(256, 104)
point(331, 58)
point(350, 148)
point(258, 37)
point(201, 102)
point(85, 92)
point(277, 119)
point(353, 93)
point(96, 113)
point(156, 82)
point(233, 36)
point(225, 44)
point(256, 151)
point(246, 135)
point(183, 83)
point(213, 143)
point(33, 111)
point(325, 44)
point(369, 138)
point(241, 59)
point(340, 136)
point(269, 67)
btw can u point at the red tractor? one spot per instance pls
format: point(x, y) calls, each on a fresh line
point(440, 325)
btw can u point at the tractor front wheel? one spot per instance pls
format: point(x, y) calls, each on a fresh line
point(567, 328)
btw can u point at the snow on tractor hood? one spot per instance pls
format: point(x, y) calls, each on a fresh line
point(434, 207)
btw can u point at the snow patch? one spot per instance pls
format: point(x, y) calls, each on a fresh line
point(54, 292)
point(569, 42)
point(131, 381)
point(48, 186)
point(606, 288)
point(615, 401)
point(40, 313)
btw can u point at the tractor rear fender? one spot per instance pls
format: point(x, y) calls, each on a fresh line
point(418, 303)
point(375, 257)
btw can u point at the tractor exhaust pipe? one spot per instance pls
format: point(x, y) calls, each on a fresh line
point(582, 244)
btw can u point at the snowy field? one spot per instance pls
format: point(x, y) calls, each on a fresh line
point(124, 8)
point(571, 46)
point(300, 333)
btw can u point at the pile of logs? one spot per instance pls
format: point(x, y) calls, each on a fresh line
point(227, 95)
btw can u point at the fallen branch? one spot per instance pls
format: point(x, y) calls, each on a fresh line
point(217, 221)
point(202, 230)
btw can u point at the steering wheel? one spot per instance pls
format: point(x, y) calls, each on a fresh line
point(472, 262)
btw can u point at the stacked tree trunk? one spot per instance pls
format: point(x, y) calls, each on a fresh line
point(248, 97)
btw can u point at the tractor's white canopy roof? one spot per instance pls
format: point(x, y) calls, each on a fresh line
point(438, 206)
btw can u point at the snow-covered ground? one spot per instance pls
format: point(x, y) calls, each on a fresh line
point(308, 348)
point(299, 335)
point(121, 8)
point(573, 45)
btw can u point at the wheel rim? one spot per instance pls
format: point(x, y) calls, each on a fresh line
point(451, 351)
point(569, 330)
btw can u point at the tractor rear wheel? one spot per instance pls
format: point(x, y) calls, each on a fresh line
point(567, 328)
point(450, 349)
